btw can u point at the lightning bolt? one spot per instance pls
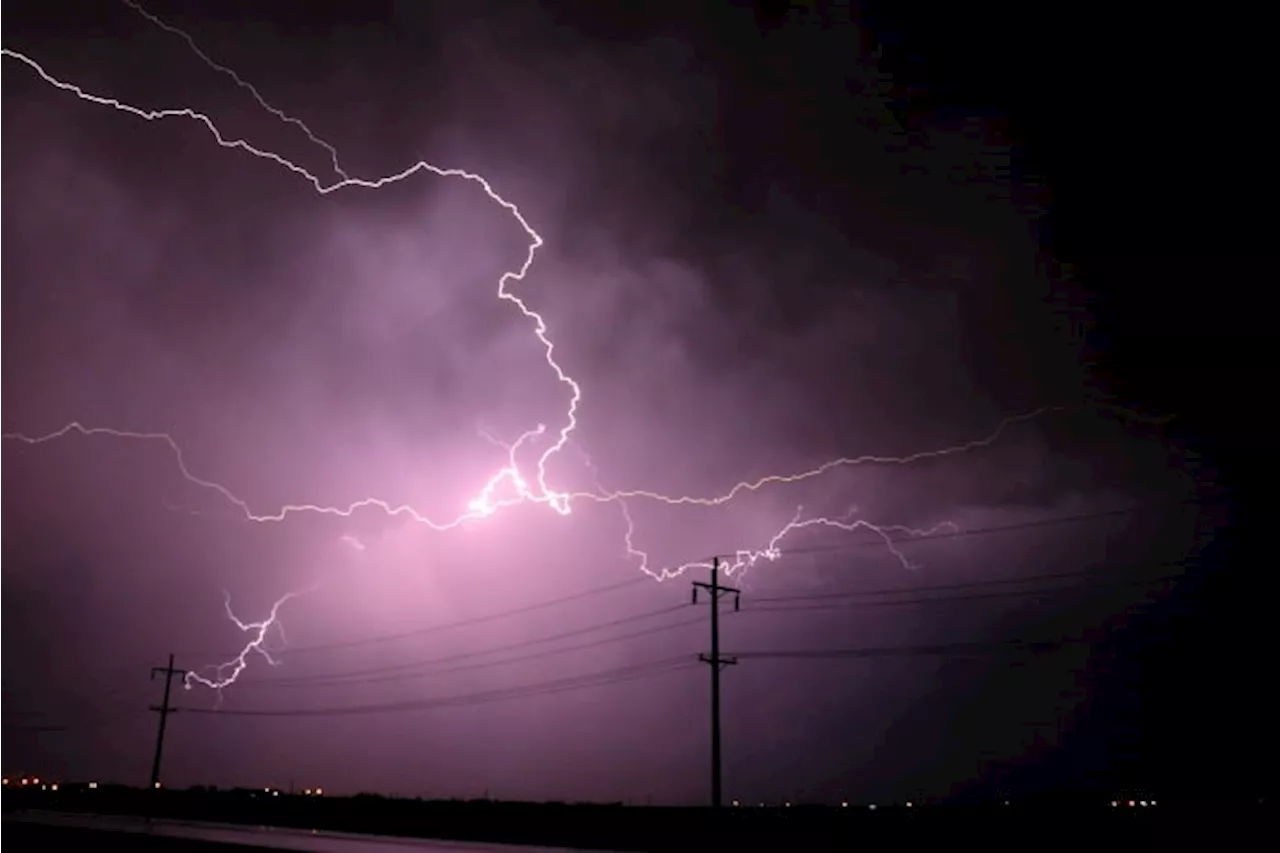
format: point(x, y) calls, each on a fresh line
point(243, 84)
point(509, 485)
point(224, 674)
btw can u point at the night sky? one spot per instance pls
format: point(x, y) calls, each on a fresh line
point(769, 239)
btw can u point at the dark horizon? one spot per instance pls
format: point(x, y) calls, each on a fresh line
point(1014, 302)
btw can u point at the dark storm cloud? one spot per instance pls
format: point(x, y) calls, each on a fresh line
point(722, 323)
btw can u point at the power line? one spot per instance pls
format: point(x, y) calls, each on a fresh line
point(601, 678)
point(810, 602)
point(818, 601)
point(960, 586)
point(577, 632)
point(813, 549)
point(463, 623)
point(910, 651)
point(805, 602)
point(630, 673)
point(340, 681)
point(900, 602)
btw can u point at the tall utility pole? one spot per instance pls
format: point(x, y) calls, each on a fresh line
point(164, 710)
point(717, 663)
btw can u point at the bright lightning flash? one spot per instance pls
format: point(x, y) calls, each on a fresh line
point(509, 485)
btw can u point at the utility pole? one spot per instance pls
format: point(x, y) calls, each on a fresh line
point(716, 662)
point(164, 710)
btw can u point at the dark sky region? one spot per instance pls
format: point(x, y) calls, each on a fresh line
point(772, 238)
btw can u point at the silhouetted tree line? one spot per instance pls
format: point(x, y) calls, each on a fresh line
point(622, 828)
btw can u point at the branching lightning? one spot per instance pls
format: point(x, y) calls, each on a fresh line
point(509, 485)
point(224, 674)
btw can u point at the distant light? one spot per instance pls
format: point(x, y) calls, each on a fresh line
point(266, 790)
point(1006, 802)
point(35, 780)
point(735, 802)
point(844, 805)
point(157, 785)
point(1132, 804)
point(872, 806)
point(908, 804)
point(1143, 803)
point(93, 786)
point(319, 792)
point(1114, 804)
point(275, 793)
point(307, 792)
point(53, 787)
point(6, 780)
point(1153, 802)
point(762, 805)
point(788, 805)
point(46, 787)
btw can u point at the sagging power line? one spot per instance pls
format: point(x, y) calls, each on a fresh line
point(833, 599)
point(829, 600)
point(595, 679)
point(414, 633)
point(1011, 580)
point(616, 675)
point(940, 649)
point(842, 602)
point(459, 656)
point(336, 681)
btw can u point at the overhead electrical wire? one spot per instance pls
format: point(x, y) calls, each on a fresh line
point(903, 602)
point(824, 600)
point(831, 600)
point(550, 638)
point(818, 601)
point(957, 586)
point(412, 633)
point(601, 678)
point(908, 651)
point(633, 672)
point(463, 623)
point(969, 590)
point(343, 681)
